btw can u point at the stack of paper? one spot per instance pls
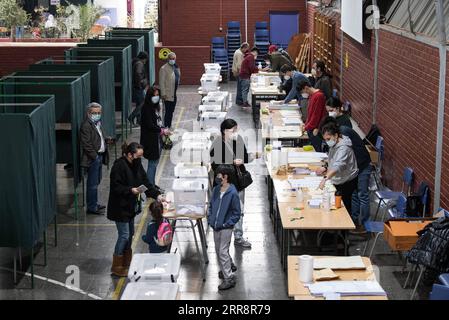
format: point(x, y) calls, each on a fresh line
point(347, 288)
point(289, 113)
point(292, 121)
point(341, 263)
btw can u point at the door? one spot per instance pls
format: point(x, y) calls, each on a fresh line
point(283, 26)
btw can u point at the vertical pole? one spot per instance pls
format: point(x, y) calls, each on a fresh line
point(376, 58)
point(441, 96)
point(45, 248)
point(56, 232)
point(32, 266)
point(342, 36)
point(246, 20)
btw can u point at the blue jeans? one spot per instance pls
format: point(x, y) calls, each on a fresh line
point(169, 110)
point(125, 236)
point(238, 96)
point(360, 197)
point(245, 84)
point(151, 171)
point(93, 180)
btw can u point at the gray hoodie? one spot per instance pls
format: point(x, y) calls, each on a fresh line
point(342, 160)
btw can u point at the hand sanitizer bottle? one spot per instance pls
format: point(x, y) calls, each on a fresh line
point(259, 65)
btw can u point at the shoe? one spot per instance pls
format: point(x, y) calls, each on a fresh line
point(97, 212)
point(127, 257)
point(227, 284)
point(117, 268)
point(242, 243)
point(240, 104)
point(101, 207)
point(233, 269)
point(359, 230)
point(246, 105)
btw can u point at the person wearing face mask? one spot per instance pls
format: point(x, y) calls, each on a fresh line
point(322, 80)
point(237, 60)
point(152, 130)
point(247, 69)
point(335, 109)
point(94, 155)
point(231, 150)
point(223, 213)
point(125, 202)
point(316, 111)
point(275, 61)
point(289, 72)
point(342, 167)
point(169, 80)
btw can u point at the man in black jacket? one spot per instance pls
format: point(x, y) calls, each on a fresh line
point(94, 154)
point(140, 83)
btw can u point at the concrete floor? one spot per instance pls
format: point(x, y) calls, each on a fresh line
point(87, 244)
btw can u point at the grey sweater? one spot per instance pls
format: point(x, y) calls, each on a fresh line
point(342, 160)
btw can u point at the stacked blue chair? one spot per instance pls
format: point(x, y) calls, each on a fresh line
point(217, 43)
point(220, 56)
point(233, 39)
point(262, 40)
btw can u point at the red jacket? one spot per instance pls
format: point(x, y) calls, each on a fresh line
point(248, 66)
point(316, 110)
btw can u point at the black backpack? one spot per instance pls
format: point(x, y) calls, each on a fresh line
point(415, 205)
point(371, 137)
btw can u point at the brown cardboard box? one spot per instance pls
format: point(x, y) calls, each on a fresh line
point(373, 154)
point(401, 235)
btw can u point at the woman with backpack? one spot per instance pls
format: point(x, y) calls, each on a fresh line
point(159, 233)
point(128, 181)
point(231, 150)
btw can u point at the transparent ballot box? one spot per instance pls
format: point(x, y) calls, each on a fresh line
point(190, 196)
point(211, 120)
point(150, 291)
point(184, 170)
point(161, 267)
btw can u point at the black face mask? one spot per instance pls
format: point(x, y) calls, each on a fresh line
point(218, 181)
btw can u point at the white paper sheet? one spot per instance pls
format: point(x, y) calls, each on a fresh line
point(339, 263)
point(348, 288)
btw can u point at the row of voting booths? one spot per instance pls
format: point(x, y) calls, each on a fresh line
point(41, 111)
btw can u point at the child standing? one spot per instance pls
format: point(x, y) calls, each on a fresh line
point(223, 213)
point(159, 232)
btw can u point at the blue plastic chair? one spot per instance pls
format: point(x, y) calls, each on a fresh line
point(261, 25)
point(261, 36)
point(444, 279)
point(377, 172)
point(439, 292)
point(234, 27)
point(218, 43)
point(387, 196)
point(377, 227)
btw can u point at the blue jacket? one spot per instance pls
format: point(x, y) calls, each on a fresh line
point(151, 236)
point(294, 94)
point(224, 213)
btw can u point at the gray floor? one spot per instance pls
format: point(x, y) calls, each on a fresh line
point(87, 244)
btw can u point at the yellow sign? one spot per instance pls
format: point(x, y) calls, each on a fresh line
point(347, 60)
point(163, 53)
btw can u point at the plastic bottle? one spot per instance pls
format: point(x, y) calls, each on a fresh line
point(299, 196)
point(326, 200)
point(259, 66)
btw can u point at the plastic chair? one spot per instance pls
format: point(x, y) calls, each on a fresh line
point(378, 167)
point(233, 27)
point(387, 196)
point(444, 279)
point(261, 25)
point(218, 42)
point(262, 36)
point(439, 292)
point(377, 227)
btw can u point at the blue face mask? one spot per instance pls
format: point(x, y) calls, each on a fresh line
point(172, 62)
point(95, 117)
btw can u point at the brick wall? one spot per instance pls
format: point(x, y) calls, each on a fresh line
point(407, 103)
point(195, 22)
point(19, 57)
point(190, 60)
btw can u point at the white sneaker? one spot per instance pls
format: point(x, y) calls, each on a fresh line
point(243, 243)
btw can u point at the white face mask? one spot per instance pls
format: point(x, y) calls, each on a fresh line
point(155, 99)
point(314, 72)
point(331, 143)
point(287, 77)
point(305, 95)
point(172, 62)
point(267, 63)
point(234, 136)
point(333, 114)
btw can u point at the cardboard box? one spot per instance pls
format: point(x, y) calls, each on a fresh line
point(401, 235)
point(373, 154)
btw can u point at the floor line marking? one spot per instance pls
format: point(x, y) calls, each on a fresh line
point(121, 282)
point(78, 290)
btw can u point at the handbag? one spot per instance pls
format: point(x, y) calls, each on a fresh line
point(243, 177)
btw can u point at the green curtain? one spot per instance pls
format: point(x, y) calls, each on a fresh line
point(137, 44)
point(27, 171)
point(102, 83)
point(71, 98)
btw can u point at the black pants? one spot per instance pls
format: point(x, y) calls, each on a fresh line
point(346, 189)
point(169, 110)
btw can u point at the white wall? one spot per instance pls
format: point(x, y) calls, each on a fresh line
point(139, 13)
point(120, 5)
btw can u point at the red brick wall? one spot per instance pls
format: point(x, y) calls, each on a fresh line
point(195, 22)
point(190, 61)
point(18, 58)
point(407, 103)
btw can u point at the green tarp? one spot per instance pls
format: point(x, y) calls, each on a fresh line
point(72, 95)
point(123, 72)
point(102, 82)
point(27, 169)
point(148, 35)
